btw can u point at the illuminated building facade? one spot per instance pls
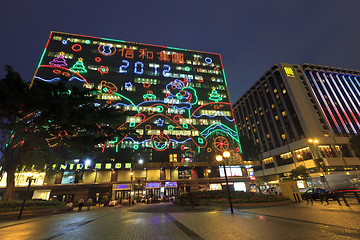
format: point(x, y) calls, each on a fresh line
point(302, 115)
point(175, 99)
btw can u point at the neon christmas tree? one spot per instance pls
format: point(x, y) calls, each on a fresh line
point(215, 96)
point(59, 60)
point(79, 66)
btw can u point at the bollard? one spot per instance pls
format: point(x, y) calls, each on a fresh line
point(310, 197)
point(320, 197)
point(357, 197)
point(306, 197)
point(326, 198)
point(342, 195)
point(337, 197)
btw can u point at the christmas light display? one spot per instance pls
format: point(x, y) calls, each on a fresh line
point(175, 99)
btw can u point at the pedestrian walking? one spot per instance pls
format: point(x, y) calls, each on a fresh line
point(89, 203)
point(81, 204)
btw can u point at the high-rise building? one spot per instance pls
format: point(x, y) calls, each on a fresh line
point(302, 115)
point(175, 99)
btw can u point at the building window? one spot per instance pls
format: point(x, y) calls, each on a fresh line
point(327, 151)
point(303, 154)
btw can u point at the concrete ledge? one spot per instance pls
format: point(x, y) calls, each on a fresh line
point(32, 213)
point(257, 204)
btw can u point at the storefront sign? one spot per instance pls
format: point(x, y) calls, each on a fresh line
point(170, 184)
point(153, 185)
point(122, 186)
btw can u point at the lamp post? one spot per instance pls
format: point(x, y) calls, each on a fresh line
point(319, 160)
point(131, 179)
point(30, 178)
point(220, 158)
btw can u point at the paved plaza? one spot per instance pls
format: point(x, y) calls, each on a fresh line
point(166, 221)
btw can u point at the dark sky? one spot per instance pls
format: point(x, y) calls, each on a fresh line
point(251, 35)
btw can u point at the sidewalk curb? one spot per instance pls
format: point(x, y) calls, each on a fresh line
point(258, 204)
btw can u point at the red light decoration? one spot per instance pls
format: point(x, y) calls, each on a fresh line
point(103, 70)
point(66, 69)
point(146, 85)
point(182, 147)
point(56, 71)
point(160, 142)
point(177, 118)
point(221, 143)
point(66, 74)
point(237, 149)
point(76, 47)
point(98, 59)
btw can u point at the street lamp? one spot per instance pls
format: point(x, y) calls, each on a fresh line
point(319, 161)
point(219, 158)
point(131, 179)
point(30, 178)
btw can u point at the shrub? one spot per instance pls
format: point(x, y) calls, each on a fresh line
point(30, 204)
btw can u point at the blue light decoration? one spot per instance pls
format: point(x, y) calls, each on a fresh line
point(208, 60)
point(123, 68)
point(159, 122)
point(166, 71)
point(64, 42)
point(128, 85)
point(136, 68)
point(107, 49)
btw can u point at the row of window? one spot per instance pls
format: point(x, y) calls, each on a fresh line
point(303, 154)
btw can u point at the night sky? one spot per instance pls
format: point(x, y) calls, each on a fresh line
point(250, 35)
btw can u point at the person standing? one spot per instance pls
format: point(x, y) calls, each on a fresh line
point(89, 203)
point(81, 203)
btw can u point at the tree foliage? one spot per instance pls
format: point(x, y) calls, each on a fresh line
point(355, 144)
point(38, 120)
point(299, 172)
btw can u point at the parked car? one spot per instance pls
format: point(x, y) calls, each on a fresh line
point(314, 193)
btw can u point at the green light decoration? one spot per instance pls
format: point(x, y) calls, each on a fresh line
point(132, 124)
point(87, 41)
point(185, 126)
point(170, 127)
point(105, 89)
point(136, 147)
point(200, 140)
point(214, 96)
point(187, 68)
point(194, 95)
point(149, 97)
point(159, 109)
point(79, 67)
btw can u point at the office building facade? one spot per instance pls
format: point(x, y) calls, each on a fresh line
point(175, 99)
point(302, 115)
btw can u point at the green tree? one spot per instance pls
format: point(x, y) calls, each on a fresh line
point(299, 172)
point(39, 119)
point(355, 144)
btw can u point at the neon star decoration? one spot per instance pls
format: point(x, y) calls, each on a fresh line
point(128, 85)
point(159, 122)
point(103, 70)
